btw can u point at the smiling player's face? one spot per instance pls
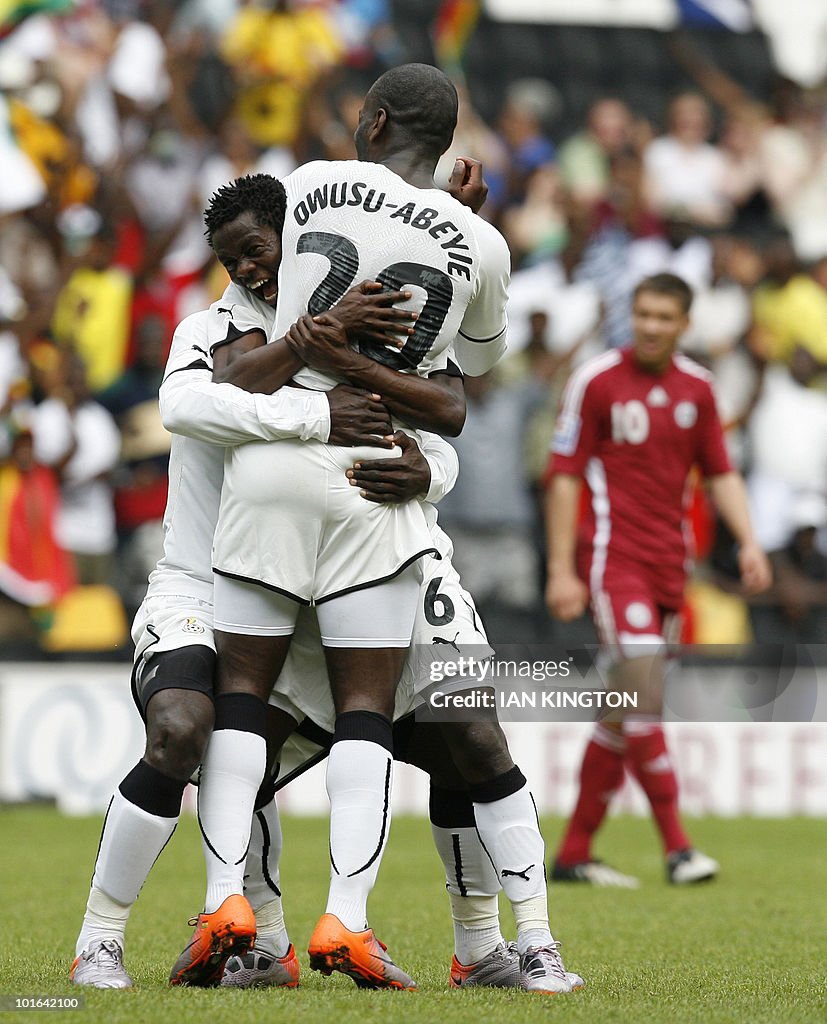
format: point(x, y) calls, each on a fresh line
point(251, 255)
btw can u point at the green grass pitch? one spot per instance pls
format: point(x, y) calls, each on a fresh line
point(748, 947)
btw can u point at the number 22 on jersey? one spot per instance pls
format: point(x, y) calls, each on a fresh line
point(344, 266)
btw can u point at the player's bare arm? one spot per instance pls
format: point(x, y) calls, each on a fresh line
point(729, 495)
point(567, 596)
point(249, 363)
point(434, 403)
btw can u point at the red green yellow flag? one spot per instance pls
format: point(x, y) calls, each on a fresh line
point(454, 23)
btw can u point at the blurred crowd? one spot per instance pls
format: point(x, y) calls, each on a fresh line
point(119, 118)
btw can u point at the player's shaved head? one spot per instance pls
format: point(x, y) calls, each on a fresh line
point(667, 284)
point(262, 195)
point(421, 103)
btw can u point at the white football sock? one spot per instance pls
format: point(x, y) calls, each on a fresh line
point(233, 768)
point(261, 880)
point(531, 916)
point(509, 831)
point(104, 918)
point(131, 841)
point(472, 886)
point(359, 777)
point(271, 934)
point(476, 927)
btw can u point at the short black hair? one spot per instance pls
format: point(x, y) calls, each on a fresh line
point(667, 284)
point(259, 194)
point(422, 101)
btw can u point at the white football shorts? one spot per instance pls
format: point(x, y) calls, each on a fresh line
point(291, 520)
point(445, 615)
point(167, 622)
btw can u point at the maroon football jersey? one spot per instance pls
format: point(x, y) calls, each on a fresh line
point(634, 436)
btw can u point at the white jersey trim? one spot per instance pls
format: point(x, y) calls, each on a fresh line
point(689, 366)
point(601, 506)
point(582, 377)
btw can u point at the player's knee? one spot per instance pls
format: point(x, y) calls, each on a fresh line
point(426, 749)
point(177, 735)
point(479, 749)
point(447, 776)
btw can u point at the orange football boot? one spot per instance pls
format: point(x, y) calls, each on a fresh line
point(229, 931)
point(359, 955)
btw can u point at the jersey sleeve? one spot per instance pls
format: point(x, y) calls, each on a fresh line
point(481, 341)
point(449, 370)
point(443, 463)
point(577, 431)
point(712, 456)
point(192, 405)
point(234, 315)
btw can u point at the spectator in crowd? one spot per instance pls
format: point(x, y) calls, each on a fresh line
point(586, 157)
point(684, 172)
point(787, 438)
point(794, 610)
point(624, 204)
point(794, 152)
point(788, 444)
point(277, 51)
point(530, 105)
point(13, 367)
point(93, 309)
point(23, 185)
point(717, 336)
point(78, 438)
point(141, 477)
point(789, 308)
point(137, 69)
point(235, 155)
point(572, 306)
point(535, 227)
point(34, 570)
point(743, 133)
point(744, 177)
point(489, 515)
point(680, 250)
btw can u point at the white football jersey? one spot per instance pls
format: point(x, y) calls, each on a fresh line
point(237, 312)
point(351, 221)
point(212, 415)
point(204, 419)
point(196, 472)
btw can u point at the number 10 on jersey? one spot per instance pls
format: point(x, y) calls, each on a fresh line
point(630, 422)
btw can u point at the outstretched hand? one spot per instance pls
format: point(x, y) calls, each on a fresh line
point(393, 480)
